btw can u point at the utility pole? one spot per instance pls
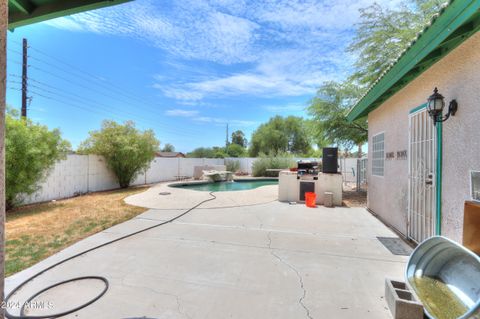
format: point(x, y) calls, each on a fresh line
point(226, 140)
point(24, 78)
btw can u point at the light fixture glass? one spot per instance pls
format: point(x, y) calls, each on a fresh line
point(436, 104)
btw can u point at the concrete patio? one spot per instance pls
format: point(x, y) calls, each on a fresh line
point(183, 199)
point(271, 260)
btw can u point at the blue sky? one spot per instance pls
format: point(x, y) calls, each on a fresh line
point(182, 68)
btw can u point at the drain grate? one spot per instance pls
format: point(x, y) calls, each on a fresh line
point(164, 193)
point(396, 246)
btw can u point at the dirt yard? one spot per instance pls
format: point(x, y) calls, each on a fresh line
point(352, 198)
point(35, 232)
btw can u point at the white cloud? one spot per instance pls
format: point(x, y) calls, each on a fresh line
point(278, 73)
point(311, 14)
point(274, 48)
point(224, 31)
point(192, 30)
point(195, 116)
point(222, 121)
point(285, 108)
point(181, 113)
point(179, 93)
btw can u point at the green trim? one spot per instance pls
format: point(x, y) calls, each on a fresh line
point(418, 108)
point(459, 21)
point(23, 6)
point(24, 12)
point(438, 188)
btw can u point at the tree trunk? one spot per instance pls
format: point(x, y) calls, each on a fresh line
point(3, 75)
point(359, 155)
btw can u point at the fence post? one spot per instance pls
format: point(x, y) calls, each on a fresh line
point(358, 174)
point(88, 173)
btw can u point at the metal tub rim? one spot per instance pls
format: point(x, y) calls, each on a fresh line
point(474, 310)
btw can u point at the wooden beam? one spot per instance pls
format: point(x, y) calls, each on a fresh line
point(25, 6)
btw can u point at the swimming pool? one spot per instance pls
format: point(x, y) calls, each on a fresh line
point(228, 186)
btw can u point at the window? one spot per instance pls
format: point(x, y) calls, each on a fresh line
point(378, 154)
point(475, 182)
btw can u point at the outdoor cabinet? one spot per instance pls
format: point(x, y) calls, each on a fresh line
point(306, 187)
point(471, 226)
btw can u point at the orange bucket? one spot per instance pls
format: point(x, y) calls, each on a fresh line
point(310, 199)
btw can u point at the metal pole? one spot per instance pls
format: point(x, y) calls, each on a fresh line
point(226, 139)
point(3, 76)
point(358, 173)
point(24, 78)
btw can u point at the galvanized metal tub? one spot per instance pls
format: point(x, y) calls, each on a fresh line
point(446, 278)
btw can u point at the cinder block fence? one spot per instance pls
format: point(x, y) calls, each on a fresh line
point(80, 174)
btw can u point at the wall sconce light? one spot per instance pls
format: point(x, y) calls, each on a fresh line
point(435, 106)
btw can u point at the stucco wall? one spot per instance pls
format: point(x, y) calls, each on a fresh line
point(457, 76)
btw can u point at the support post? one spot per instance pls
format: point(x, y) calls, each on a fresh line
point(3, 76)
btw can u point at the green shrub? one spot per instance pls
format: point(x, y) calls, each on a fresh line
point(208, 152)
point(235, 150)
point(31, 150)
point(126, 150)
point(232, 165)
point(265, 162)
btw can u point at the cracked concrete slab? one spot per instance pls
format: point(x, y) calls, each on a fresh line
point(272, 260)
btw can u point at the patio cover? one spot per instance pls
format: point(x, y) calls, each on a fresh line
point(14, 14)
point(24, 12)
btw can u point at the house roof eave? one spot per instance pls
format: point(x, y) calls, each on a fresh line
point(448, 29)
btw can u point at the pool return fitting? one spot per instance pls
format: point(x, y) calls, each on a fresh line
point(22, 314)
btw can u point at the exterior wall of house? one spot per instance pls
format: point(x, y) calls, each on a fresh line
point(457, 76)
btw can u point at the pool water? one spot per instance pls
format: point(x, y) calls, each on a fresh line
point(228, 186)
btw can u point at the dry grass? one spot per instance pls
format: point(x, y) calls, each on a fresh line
point(35, 232)
point(352, 198)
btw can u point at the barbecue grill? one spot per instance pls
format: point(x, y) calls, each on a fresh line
point(307, 169)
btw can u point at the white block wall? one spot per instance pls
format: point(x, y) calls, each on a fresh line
point(80, 174)
point(348, 168)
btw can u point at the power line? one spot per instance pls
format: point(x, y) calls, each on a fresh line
point(104, 108)
point(106, 85)
point(82, 99)
point(97, 91)
point(96, 110)
point(15, 51)
point(16, 62)
point(84, 76)
point(120, 90)
point(70, 81)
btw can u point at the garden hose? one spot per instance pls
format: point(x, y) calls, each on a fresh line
point(100, 278)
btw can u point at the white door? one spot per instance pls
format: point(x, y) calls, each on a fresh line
point(421, 176)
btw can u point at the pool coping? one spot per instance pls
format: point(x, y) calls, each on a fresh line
point(163, 197)
point(178, 184)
